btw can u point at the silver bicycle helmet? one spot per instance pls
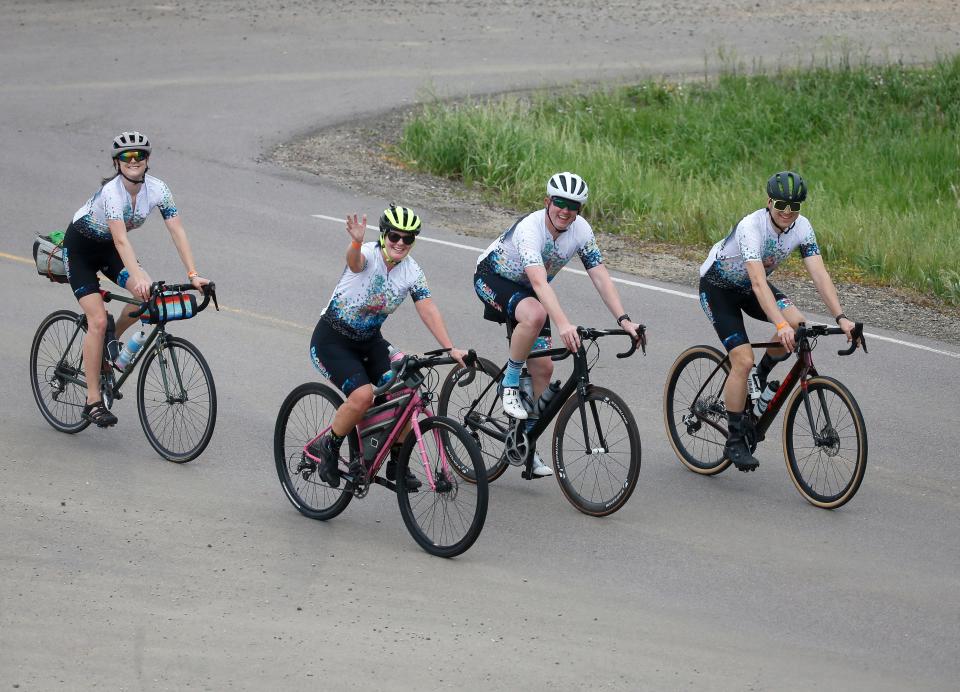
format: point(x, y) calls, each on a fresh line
point(568, 186)
point(127, 141)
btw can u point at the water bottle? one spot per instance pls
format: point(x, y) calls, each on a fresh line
point(396, 355)
point(753, 384)
point(765, 398)
point(547, 397)
point(526, 390)
point(130, 349)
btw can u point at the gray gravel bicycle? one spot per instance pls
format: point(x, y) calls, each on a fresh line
point(176, 397)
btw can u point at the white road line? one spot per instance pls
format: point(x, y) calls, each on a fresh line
point(648, 287)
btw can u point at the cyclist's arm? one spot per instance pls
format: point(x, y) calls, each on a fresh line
point(610, 296)
point(761, 289)
point(179, 236)
point(356, 229)
point(139, 281)
point(826, 289)
point(430, 314)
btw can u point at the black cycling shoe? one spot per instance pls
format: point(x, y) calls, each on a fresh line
point(409, 480)
point(99, 415)
point(329, 470)
point(736, 449)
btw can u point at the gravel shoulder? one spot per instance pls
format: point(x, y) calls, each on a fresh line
point(357, 156)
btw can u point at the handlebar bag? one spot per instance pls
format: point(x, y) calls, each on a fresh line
point(171, 305)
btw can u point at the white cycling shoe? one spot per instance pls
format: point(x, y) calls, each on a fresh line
point(513, 404)
point(539, 468)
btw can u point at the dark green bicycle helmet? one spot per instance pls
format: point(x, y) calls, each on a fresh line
point(788, 186)
point(399, 219)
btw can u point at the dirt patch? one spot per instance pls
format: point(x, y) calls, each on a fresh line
point(358, 156)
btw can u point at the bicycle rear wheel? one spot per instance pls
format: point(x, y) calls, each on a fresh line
point(177, 400)
point(597, 477)
point(696, 425)
point(305, 413)
point(826, 452)
point(56, 370)
point(482, 417)
point(445, 517)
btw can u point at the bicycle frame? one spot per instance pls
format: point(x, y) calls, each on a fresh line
point(411, 414)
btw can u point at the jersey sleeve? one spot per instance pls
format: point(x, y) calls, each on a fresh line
point(419, 289)
point(528, 240)
point(750, 242)
point(166, 205)
point(590, 253)
point(808, 246)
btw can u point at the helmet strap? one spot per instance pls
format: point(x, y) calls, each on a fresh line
point(383, 248)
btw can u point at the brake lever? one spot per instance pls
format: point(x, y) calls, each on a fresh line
point(212, 289)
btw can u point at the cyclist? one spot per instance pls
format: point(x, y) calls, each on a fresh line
point(97, 240)
point(733, 281)
point(513, 278)
point(347, 347)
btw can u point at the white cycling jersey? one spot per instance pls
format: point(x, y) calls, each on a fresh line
point(529, 243)
point(112, 202)
point(756, 239)
point(361, 302)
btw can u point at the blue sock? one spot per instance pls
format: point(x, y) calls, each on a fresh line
point(511, 378)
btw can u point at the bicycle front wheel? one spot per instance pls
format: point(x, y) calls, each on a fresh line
point(56, 370)
point(697, 425)
point(596, 452)
point(478, 409)
point(177, 400)
point(826, 450)
point(306, 412)
point(446, 513)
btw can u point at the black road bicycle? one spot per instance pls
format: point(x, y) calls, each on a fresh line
point(596, 443)
point(824, 435)
point(176, 397)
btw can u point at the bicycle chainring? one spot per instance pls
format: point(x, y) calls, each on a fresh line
point(516, 447)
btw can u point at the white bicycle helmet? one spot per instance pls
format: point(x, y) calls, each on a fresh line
point(568, 186)
point(128, 141)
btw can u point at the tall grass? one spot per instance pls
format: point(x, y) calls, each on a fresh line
point(682, 162)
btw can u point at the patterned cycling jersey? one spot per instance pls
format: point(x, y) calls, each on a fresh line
point(755, 238)
point(112, 202)
point(528, 243)
point(361, 302)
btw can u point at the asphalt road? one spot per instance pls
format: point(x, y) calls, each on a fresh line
point(121, 571)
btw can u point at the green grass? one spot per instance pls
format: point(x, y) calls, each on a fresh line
point(682, 162)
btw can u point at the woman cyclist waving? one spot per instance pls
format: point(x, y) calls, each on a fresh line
point(347, 347)
point(97, 240)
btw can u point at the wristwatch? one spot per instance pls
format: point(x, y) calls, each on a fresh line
point(622, 317)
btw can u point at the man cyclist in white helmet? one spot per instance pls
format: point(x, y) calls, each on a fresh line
point(513, 280)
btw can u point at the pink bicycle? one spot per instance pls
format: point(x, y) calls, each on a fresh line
point(444, 512)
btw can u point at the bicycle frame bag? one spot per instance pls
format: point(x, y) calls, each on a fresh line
point(49, 258)
point(170, 305)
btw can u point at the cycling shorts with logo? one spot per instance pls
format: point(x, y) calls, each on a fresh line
point(349, 364)
point(724, 307)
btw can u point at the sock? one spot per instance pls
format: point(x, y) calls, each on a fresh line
point(336, 441)
point(511, 378)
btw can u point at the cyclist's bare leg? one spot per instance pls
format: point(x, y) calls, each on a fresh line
point(96, 313)
point(541, 370)
point(353, 410)
point(125, 320)
point(530, 316)
point(735, 390)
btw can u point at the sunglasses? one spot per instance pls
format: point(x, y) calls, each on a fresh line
point(782, 205)
point(133, 155)
point(561, 203)
point(404, 238)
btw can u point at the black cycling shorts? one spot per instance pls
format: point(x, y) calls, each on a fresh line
point(347, 363)
point(83, 257)
point(724, 308)
point(501, 296)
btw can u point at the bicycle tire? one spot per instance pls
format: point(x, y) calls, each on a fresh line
point(178, 422)
point(446, 519)
point(597, 484)
point(823, 472)
point(61, 403)
point(700, 444)
point(307, 410)
point(455, 401)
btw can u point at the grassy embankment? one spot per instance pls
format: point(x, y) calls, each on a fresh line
point(681, 162)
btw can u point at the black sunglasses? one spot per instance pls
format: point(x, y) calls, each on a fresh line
point(782, 204)
point(561, 203)
point(404, 238)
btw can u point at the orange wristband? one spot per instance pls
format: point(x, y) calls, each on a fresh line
point(782, 325)
point(355, 244)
